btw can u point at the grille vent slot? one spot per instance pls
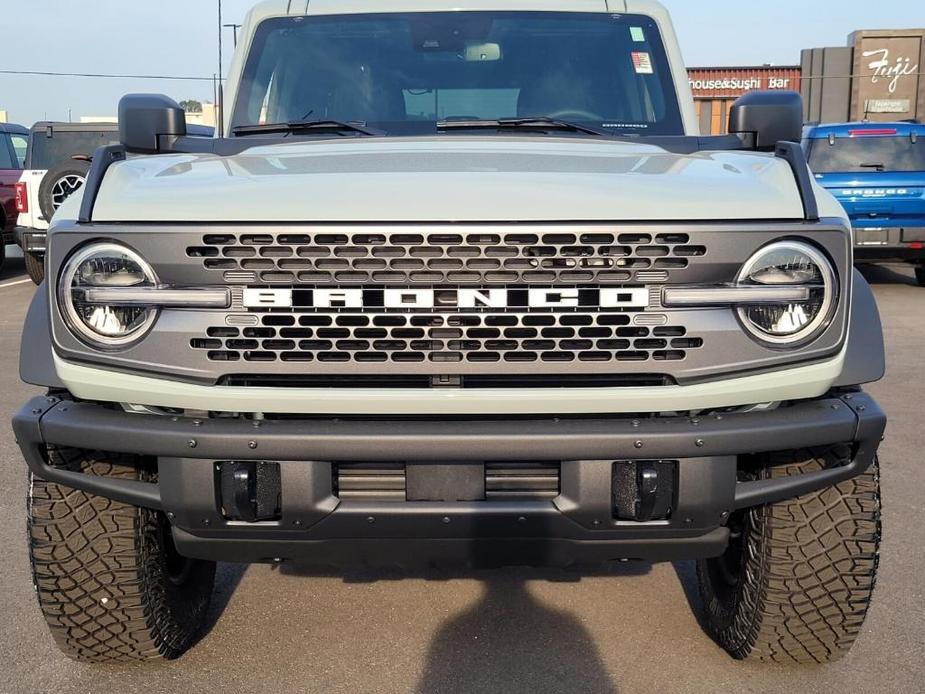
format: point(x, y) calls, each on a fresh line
point(319, 258)
point(520, 481)
point(371, 481)
point(448, 339)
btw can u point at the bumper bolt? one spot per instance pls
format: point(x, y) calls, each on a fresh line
point(197, 422)
point(297, 523)
point(596, 523)
point(192, 443)
point(521, 520)
point(699, 443)
point(370, 519)
point(638, 444)
point(252, 444)
point(170, 515)
point(206, 522)
point(446, 519)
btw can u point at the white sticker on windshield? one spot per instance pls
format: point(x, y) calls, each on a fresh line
point(637, 34)
point(642, 62)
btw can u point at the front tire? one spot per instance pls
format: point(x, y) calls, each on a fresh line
point(795, 584)
point(109, 581)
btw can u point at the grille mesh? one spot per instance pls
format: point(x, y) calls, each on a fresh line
point(445, 258)
point(447, 338)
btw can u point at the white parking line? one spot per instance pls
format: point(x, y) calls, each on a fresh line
point(13, 284)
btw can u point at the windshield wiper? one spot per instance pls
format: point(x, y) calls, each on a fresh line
point(531, 123)
point(332, 126)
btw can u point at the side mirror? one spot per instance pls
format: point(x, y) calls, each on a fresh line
point(769, 116)
point(148, 122)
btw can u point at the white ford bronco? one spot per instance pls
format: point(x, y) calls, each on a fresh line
point(462, 283)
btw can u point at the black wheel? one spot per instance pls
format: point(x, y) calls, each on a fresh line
point(35, 266)
point(59, 183)
point(109, 580)
point(920, 275)
point(795, 583)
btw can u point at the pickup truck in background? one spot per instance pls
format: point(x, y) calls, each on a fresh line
point(13, 139)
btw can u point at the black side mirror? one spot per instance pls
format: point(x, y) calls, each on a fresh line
point(769, 116)
point(150, 122)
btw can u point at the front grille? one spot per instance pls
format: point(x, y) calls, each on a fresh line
point(578, 380)
point(447, 339)
point(472, 258)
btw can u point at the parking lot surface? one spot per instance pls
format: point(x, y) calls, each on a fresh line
point(629, 628)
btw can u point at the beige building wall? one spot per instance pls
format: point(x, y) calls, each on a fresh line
point(3, 116)
point(209, 116)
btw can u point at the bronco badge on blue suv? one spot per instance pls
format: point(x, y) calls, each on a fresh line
point(877, 172)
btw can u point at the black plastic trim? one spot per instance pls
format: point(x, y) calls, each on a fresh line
point(793, 154)
point(865, 360)
point(103, 158)
point(36, 359)
point(853, 418)
point(474, 552)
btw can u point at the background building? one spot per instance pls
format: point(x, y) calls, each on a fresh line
point(877, 77)
point(715, 88)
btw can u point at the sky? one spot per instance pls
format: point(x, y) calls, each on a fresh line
point(179, 37)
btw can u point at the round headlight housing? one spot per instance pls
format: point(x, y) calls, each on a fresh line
point(105, 265)
point(789, 264)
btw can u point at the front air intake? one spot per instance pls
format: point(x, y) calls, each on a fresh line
point(521, 481)
point(370, 481)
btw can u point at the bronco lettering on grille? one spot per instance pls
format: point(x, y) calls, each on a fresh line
point(430, 299)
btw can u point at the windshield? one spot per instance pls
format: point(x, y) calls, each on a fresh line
point(46, 152)
point(871, 154)
point(401, 73)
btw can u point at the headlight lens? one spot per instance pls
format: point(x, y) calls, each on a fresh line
point(105, 265)
point(789, 263)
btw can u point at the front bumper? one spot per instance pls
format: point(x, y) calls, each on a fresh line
point(576, 526)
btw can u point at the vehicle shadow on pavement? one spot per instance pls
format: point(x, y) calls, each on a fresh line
point(511, 642)
point(227, 578)
point(888, 274)
point(508, 641)
point(12, 268)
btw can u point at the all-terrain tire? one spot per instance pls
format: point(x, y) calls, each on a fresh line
point(796, 582)
point(35, 267)
point(109, 581)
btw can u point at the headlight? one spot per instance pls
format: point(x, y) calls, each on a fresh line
point(105, 265)
point(789, 263)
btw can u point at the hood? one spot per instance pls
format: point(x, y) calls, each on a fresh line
point(449, 178)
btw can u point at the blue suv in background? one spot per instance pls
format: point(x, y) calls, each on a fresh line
point(877, 172)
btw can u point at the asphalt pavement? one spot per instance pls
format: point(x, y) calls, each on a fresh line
point(629, 628)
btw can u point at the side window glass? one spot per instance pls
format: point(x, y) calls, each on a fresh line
point(6, 157)
point(20, 143)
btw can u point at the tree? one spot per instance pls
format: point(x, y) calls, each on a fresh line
point(191, 106)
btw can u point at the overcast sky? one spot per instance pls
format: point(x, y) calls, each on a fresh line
point(178, 37)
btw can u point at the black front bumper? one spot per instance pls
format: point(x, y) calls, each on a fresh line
point(575, 527)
